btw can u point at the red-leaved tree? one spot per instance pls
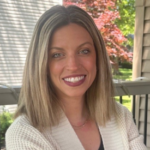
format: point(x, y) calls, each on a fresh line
point(104, 13)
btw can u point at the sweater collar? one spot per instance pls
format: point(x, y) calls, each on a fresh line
point(67, 139)
point(111, 136)
point(65, 136)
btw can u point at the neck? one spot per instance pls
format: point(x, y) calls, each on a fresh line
point(75, 110)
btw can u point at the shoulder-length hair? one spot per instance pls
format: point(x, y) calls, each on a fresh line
point(38, 99)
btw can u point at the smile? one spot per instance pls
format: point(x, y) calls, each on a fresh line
point(74, 79)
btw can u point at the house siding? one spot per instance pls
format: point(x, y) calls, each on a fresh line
point(17, 21)
point(141, 60)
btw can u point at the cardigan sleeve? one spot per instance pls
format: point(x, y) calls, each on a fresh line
point(20, 136)
point(135, 139)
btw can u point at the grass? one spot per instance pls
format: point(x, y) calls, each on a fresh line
point(125, 75)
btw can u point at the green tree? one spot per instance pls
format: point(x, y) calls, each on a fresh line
point(126, 22)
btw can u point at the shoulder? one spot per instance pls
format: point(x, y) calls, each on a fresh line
point(19, 126)
point(128, 128)
point(21, 121)
point(124, 116)
point(22, 135)
point(123, 112)
point(120, 108)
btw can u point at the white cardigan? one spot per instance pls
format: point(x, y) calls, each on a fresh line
point(119, 134)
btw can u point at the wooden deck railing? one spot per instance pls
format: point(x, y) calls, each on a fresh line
point(135, 89)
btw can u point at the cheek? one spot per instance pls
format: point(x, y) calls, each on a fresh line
point(91, 64)
point(54, 68)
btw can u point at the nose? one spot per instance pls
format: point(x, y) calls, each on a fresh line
point(72, 63)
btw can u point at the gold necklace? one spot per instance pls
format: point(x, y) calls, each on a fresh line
point(82, 125)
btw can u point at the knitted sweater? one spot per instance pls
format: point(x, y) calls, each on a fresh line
point(118, 134)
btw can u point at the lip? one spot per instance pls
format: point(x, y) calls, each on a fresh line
point(77, 75)
point(76, 83)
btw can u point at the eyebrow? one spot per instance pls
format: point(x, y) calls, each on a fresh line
point(58, 48)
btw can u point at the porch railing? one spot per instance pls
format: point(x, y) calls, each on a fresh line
point(135, 89)
point(10, 95)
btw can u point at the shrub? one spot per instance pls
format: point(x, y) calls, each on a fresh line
point(6, 119)
point(126, 65)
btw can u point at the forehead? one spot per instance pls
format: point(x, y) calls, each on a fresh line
point(71, 34)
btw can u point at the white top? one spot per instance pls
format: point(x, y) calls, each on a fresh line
point(119, 134)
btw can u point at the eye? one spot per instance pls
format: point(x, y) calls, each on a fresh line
point(57, 55)
point(85, 51)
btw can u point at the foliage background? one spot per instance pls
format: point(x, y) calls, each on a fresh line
point(126, 23)
point(6, 119)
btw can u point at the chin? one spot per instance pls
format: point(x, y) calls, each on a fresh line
point(75, 95)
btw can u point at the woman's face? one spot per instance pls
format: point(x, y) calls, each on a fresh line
point(72, 61)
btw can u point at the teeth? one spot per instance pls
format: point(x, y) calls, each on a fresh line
point(74, 79)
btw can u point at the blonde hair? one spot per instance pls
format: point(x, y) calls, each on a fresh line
point(38, 99)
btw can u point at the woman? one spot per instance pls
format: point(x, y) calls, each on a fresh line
point(66, 100)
